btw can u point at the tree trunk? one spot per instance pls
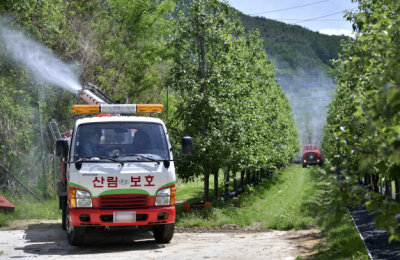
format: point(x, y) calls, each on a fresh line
point(397, 186)
point(388, 189)
point(216, 183)
point(227, 183)
point(242, 178)
point(375, 180)
point(234, 180)
point(367, 180)
point(206, 185)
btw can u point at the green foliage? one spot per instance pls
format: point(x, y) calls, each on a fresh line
point(361, 134)
point(116, 44)
point(239, 119)
point(43, 19)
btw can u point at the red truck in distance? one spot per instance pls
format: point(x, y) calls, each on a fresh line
point(311, 156)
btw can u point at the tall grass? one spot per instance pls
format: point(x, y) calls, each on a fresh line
point(31, 209)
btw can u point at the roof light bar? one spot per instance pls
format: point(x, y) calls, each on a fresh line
point(117, 108)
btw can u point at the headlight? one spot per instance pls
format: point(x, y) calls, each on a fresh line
point(163, 197)
point(166, 197)
point(80, 199)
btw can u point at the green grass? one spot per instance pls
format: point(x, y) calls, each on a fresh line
point(30, 210)
point(342, 238)
point(292, 199)
point(281, 202)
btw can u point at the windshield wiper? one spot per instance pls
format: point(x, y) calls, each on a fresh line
point(98, 156)
point(141, 156)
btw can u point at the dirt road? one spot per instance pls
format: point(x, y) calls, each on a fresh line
point(45, 240)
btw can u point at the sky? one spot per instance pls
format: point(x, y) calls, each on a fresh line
point(332, 24)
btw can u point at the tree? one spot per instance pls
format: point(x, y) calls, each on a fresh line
point(239, 119)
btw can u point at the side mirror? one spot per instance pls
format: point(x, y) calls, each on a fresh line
point(187, 145)
point(62, 148)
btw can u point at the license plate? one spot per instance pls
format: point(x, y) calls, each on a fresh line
point(124, 216)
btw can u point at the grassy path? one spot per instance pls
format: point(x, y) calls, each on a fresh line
point(292, 199)
point(281, 202)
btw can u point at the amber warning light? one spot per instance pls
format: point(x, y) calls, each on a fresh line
point(117, 109)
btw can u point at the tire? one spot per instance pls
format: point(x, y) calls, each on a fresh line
point(75, 234)
point(304, 165)
point(64, 213)
point(63, 219)
point(164, 233)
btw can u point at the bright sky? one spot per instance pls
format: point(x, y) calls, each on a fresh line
point(332, 24)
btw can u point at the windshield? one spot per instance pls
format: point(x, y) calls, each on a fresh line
point(309, 147)
point(125, 141)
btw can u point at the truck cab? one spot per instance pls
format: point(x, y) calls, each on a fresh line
point(119, 175)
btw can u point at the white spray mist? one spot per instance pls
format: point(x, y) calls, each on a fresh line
point(309, 90)
point(38, 60)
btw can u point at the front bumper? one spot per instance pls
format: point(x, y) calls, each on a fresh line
point(311, 163)
point(99, 217)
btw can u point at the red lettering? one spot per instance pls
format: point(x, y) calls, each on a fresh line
point(149, 179)
point(97, 180)
point(112, 182)
point(135, 180)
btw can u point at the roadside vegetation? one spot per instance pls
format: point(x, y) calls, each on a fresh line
point(361, 135)
point(30, 209)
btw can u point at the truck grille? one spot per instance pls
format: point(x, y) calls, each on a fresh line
point(126, 201)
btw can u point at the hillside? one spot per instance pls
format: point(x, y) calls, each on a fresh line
point(303, 69)
point(294, 46)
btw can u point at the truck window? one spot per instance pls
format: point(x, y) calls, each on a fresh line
point(121, 140)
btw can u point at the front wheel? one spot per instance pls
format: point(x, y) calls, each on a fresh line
point(63, 212)
point(75, 234)
point(304, 165)
point(164, 233)
point(63, 219)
